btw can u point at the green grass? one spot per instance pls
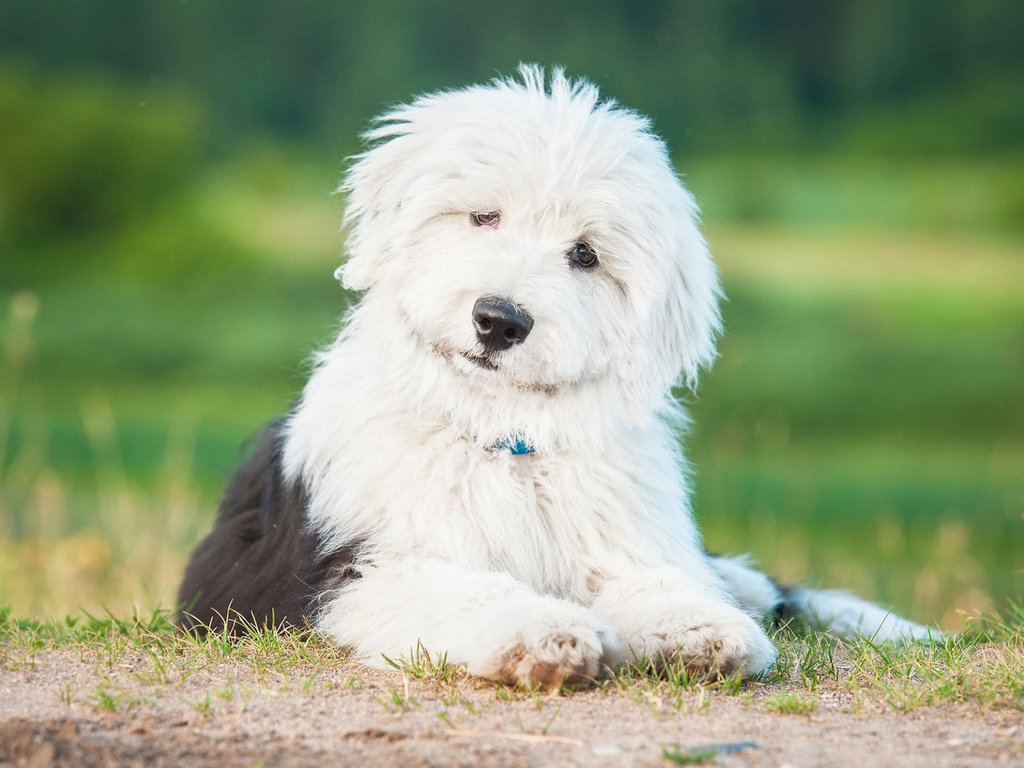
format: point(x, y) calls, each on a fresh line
point(420, 665)
point(698, 756)
point(787, 703)
point(138, 659)
point(836, 191)
point(164, 655)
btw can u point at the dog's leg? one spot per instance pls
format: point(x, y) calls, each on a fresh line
point(847, 615)
point(754, 592)
point(840, 613)
point(491, 624)
point(663, 616)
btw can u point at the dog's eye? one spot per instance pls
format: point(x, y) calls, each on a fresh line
point(582, 255)
point(485, 218)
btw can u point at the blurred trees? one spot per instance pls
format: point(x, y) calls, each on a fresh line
point(79, 154)
point(113, 111)
point(715, 74)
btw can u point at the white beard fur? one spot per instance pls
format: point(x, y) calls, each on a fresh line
point(545, 568)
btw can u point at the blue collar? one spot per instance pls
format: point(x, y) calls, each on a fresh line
point(514, 445)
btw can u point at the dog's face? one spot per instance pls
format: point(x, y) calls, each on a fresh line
point(534, 238)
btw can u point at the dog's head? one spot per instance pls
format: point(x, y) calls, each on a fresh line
point(536, 238)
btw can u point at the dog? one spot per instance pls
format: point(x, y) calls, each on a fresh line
point(486, 459)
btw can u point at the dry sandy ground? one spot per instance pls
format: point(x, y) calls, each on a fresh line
point(57, 711)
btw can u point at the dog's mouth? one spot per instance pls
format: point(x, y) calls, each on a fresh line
point(464, 362)
point(482, 361)
point(456, 357)
point(488, 363)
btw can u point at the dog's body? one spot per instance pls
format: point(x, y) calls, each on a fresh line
point(486, 460)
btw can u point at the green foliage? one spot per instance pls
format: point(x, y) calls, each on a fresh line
point(764, 75)
point(81, 155)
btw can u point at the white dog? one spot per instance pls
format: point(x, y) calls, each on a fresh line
point(486, 459)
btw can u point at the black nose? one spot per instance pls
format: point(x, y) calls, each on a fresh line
point(499, 324)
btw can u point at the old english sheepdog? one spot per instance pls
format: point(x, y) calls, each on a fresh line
point(486, 459)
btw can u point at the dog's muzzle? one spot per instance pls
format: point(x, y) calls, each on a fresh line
point(500, 324)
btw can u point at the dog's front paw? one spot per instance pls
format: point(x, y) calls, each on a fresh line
point(713, 639)
point(554, 652)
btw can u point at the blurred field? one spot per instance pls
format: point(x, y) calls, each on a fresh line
point(863, 427)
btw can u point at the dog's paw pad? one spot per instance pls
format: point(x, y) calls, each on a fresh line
point(551, 662)
point(730, 644)
point(705, 656)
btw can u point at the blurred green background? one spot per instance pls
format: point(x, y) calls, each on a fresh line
point(168, 233)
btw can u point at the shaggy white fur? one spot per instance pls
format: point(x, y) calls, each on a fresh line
point(542, 567)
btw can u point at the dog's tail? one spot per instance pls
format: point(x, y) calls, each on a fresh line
point(837, 612)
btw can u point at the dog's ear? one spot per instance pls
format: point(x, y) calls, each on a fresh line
point(375, 187)
point(679, 321)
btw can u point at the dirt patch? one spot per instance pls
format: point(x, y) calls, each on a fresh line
point(63, 709)
point(90, 743)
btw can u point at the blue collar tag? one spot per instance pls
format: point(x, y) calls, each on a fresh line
point(514, 445)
